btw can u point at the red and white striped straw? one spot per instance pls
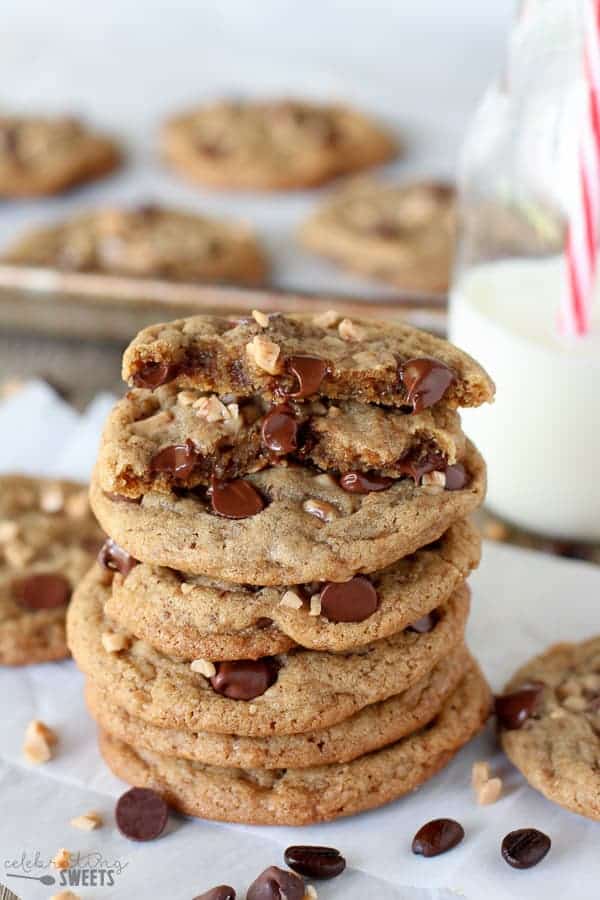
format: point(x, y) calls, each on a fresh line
point(581, 243)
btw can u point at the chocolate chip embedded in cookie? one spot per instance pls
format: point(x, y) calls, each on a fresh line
point(550, 724)
point(308, 529)
point(148, 242)
point(301, 691)
point(403, 234)
point(371, 728)
point(303, 796)
point(176, 612)
point(171, 438)
point(45, 155)
point(272, 145)
point(301, 355)
point(48, 539)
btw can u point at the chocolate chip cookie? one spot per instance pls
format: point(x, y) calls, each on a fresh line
point(46, 155)
point(191, 617)
point(146, 241)
point(370, 729)
point(158, 440)
point(272, 145)
point(403, 234)
point(303, 796)
point(549, 720)
point(300, 356)
point(268, 529)
point(48, 538)
point(286, 694)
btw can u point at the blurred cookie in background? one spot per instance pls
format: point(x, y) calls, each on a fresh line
point(403, 234)
point(146, 241)
point(42, 155)
point(274, 144)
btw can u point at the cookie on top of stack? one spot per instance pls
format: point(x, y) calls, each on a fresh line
point(275, 632)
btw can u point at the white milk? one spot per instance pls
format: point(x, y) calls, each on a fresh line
point(541, 437)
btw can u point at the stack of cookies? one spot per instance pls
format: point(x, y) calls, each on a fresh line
point(274, 632)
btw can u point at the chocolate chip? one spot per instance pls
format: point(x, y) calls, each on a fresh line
point(525, 847)
point(437, 836)
point(153, 374)
point(235, 499)
point(515, 708)
point(309, 371)
point(276, 884)
point(263, 623)
point(280, 429)
point(245, 679)
point(141, 814)
point(43, 591)
point(420, 461)
point(178, 460)
point(221, 892)
point(315, 862)
point(359, 483)
point(426, 381)
point(113, 557)
point(456, 477)
point(349, 601)
point(426, 623)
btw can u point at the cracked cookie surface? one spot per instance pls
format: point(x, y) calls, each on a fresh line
point(309, 690)
point(191, 617)
point(403, 234)
point(557, 746)
point(303, 796)
point(48, 540)
point(146, 241)
point(46, 155)
point(272, 145)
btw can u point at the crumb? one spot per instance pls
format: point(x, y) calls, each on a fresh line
point(62, 860)
point(38, 743)
point(88, 821)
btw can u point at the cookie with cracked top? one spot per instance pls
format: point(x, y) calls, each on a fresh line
point(147, 241)
point(369, 729)
point(304, 796)
point(263, 529)
point(272, 144)
point(42, 155)
point(191, 617)
point(286, 694)
point(403, 234)
point(297, 356)
point(48, 539)
point(549, 719)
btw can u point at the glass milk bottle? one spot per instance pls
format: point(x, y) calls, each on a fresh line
point(520, 170)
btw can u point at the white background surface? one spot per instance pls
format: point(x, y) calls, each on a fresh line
point(521, 603)
point(419, 64)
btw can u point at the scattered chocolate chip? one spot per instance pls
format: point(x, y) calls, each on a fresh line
point(359, 483)
point(43, 591)
point(276, 884)
point(221, 892)
point(263, 623)
point(426, 623)
point(153, 374)
point(245, 679)
point(456, 477)
point(309, 371)
point(315, 862)
point(525, 847)
point(426, 381)
point(235, 499)
point(437, 836)
point(178, 460)
point(280, 430)
point(349, 601)
point(515, 708)
point(141, 814)
point(113, 557)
